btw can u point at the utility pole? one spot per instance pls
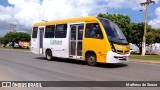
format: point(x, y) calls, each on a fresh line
point(145, 25)
point(13, 27)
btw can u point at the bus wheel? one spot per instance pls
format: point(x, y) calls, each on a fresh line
point(91, 59)
point(49, 55)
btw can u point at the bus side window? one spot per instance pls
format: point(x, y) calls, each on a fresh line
point(34, 33)
point(93, 31)
point(80, 32)
point(49, 31)
point(61, 31)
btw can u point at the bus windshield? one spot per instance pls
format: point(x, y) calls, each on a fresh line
point(113, 32)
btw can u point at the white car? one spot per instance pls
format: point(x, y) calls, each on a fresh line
point(133, 51)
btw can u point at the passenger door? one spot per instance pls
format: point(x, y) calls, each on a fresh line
point(41, 36)
point(76, 38)
point(34, 41)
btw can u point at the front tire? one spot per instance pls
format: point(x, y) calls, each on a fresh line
point(91, 59)
point(49, 56)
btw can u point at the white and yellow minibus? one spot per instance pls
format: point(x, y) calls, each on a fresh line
point(91, 39)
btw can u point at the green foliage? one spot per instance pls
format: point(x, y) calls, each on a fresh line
point(3, 41)
point(157, 35)
point(151, 36)
point(137, 33)
point(15, 37)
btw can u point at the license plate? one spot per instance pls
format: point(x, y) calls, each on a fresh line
point(124, 57)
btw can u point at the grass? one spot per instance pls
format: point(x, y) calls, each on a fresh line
point(147, 57)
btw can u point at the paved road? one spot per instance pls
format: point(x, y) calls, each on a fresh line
point(25, 66)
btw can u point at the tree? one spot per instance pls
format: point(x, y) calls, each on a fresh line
point(157, 36)
point(3, 41)
point(15, 37)
point(151, 36)
point(137, 34)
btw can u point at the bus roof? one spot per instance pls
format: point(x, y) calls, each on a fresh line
point(70, 20)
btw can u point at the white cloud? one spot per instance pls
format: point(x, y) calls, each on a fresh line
point(26, 12)
point(5, 14)
point(156, 22)
point(157, 12)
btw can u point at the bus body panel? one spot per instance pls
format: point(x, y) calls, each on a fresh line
point(60, 47)
point(113, 57)
point(97, 46)
point(122, 49)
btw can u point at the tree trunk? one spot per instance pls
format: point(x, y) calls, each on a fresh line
point(140, 50)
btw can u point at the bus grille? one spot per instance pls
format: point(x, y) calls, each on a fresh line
point(123, 52)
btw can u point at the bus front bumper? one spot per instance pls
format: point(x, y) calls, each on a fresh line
point(113, 57)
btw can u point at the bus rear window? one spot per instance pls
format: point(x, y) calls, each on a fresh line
point(34, 34)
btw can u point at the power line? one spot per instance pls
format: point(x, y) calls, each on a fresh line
point(154, 20)
point(150, 17)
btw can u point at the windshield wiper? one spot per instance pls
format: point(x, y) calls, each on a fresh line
point(120, 38)
point(116, 38)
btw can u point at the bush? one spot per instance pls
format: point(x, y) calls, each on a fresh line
point(14, 37)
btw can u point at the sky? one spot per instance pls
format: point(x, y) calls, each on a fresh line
point(22, 14)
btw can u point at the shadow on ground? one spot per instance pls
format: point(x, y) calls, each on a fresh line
point(79, 62)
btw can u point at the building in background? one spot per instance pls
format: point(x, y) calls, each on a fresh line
point(153, 49)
